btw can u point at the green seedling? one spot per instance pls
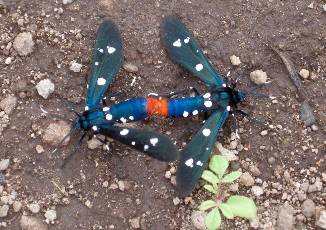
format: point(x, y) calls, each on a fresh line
point(235, 206)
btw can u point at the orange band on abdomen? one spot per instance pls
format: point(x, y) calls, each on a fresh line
point(157, 106)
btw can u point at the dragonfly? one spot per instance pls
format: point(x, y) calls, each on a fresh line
point(97, 117)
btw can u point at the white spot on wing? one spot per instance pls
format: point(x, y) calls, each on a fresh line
point(124, 132)
point(208, 104)
point(133, 143)
point(185, 114)
point(106, 109)
point(228, 108)
point(224, 85)
point(131, 118)
point(101, 81)
point(94, 128)
point(199, 67)
point(108, 117)
point(100, 50)
point(206, 132)
point(86, 108)
point(146, 147)
point(111, 50)
point(177, 43)
point(207, 95)
point(154, 141)
point(190, 162)
point(195, 112)
point(96, 63)
point(123, 120)
point(186, 40)
point(199, 163)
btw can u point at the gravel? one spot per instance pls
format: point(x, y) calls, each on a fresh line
point(198, 219)
point(4, 164)
point(24, 44)
point(135, 223)
point(34, 207)
point(235, 60)
point(304, 73)
point(32, 223)
point(258, 77)
point(4, 210)
point(131, 68)
point(285, 218)
point(55, 133)
point(257, 191)
point(50, 216)
point(45, 88)
point(8, 104)
point(247, 180)
point(308, 208)
point(75, 67)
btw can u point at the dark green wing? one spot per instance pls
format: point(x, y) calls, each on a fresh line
point(194, 156)
point(149, 142)
point(184, 50)
point(107, 60)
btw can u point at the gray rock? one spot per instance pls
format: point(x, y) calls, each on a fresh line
point(45, 88)
point(227, 154)
point(93, 143)
point(308, 208)
point(321, 219)
point(66, 2)
point(34, 207)
point(285, 218)
point(131, 68)
point(32, 223)
point(247, 180)
point(55, 133)
point(17, 205)
point(135, 223)
point(258, 77)
point(4, 210)
point(8, 104)
point(24, 44)
point(257, 191)
point(198, 219)
point(316, 187)
point(235, 60)
point(254, 170)
point(304, 73)
point(4, 164)
point(50, 216)
point(75, 67)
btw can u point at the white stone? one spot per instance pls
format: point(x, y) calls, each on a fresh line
point(34, 207)
point(24, 44)
point(8, 60)
point(66, 2)
point(4, 210)
point(32, 223)
point(50, 215)
point(45, 88)
point(39, 149)
point(55, 133)
point(257, 191)
point(304, 73)
point(235, 60)
point(8, 104)
point(75, 67)
point(321, 221)
point(17, 205)
point(4, 164)
point(198, 219)
point(258, 77)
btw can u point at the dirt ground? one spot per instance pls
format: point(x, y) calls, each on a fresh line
point(122, 188)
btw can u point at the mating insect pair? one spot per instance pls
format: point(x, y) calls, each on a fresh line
point(183, 49)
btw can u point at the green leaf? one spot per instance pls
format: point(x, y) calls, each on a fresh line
point(226, 210)
point(210, 177)
point(207, 204)
point(218, 165)
point(242, 206)
point(210, 188)
point(213, 219)
point(229, 178)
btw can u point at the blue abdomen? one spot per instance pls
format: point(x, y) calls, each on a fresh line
point(184, 107)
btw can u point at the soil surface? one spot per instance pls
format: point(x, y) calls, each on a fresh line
point(122, 188)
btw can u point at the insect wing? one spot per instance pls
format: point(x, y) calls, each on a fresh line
point(151, 143)
point(184, 50)
point(194, 156)
point(107, 60)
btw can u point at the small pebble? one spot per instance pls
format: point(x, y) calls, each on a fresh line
point(4, 164)
point(66, 2)
point(121, 185)
point(176, 201)
point(88, 204)
point(235, 60)
point(258, 77)
point(321, 219)
point(167, 174)
point(314, 127)
point(311, 5)
point(17, 205)
point(257, 191)
point(308, 208)
point(50, 216)
point(93, 143)
point(113, 186)
point(264, 133)
point(32, 223)
point(8, 104)
point(304, 73)
point(75, 67)
point(285, 219)
point(45, 88)
point(8, 60)
point(135, 223)
point(324, 8)
point(247, 180)
point(4, 210)
point(105, 184)
point(24, 44)
point(131, 68)
point(198, 219)
point(34, 207)
point(39, 149)
point(55, 133)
